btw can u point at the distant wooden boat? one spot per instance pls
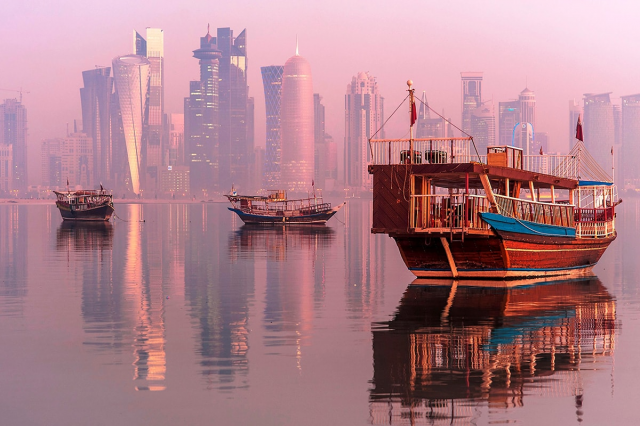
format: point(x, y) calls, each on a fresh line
point(275, 208)
point(506, 215)
point(85, 204)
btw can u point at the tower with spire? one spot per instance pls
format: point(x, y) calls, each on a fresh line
point(297, 125)
point(201, 115)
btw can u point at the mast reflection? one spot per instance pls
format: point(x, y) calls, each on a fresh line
point(451, 343)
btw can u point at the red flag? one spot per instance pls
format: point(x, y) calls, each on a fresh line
point(67, 181)
point(579, 130)
point(541, 151)
point(312, 183)
point(414, 113)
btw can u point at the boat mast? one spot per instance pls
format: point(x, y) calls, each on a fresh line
point(412, 118)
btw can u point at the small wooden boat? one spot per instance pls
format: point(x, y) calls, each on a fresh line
point(502, 215)
point(275, 208)
point(85, 204)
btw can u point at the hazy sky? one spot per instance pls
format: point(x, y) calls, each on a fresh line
point(561, 50)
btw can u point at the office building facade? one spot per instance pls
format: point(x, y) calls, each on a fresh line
point(296, 124)
point(471, 97)
point(95, 99)
point(599, 128)
point(272, 82)
point(629, 153)
point(201, 120)
point(131, 75)
point(13, 133)
point(363, 117)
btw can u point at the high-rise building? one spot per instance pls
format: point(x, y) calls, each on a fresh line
point(272, 82)
point(95, 98)
point(13, 133)
point(629, 153)
point(527, 102)
point(599, 128)
point(176, 153)
point(77, 160)
point(483, 127)
point(541, 143)
point(363, 117)
point(426, 126)
point(331, 163)
point(574, 112)
point(152, 150)
point(319, 141)
point(131, 74)
point(508, 118)
point(201, 120)
point(52, 162)
point(471, 97)
point(235, 152)
point(6, 168)
point(296, 123)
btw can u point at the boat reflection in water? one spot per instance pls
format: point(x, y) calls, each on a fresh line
point(84, 235)
point(453, 344)
point(249, 241)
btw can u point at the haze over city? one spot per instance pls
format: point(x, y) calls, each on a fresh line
point(560, 51)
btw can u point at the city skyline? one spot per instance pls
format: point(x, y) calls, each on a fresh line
point(583, 66)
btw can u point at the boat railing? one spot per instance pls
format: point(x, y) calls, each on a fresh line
point(595, 223)
point(461, 150)
point(559, 214)
point(448, 213)
point(425, 151)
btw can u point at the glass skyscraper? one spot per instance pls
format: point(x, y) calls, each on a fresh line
point(201, 120)
point(13, 133)
point(363, 117)
point(471, 97)
point(131, 74)
point(296, 122)
point(272, 82)
point(95, 99)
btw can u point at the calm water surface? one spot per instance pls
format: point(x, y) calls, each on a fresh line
point(191, 318)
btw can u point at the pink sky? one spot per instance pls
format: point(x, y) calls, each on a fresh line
point(560, 49)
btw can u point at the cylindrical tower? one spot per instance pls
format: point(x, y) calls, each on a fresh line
point(131, 75)
point(296, 121)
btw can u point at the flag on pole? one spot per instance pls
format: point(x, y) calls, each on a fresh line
point(67, 181)
point(414, 113)
point(579, 130)
point(541, 153)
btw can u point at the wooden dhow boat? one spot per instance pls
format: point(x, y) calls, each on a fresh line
point(503, 215)
point(276, 208)
point(85, 204)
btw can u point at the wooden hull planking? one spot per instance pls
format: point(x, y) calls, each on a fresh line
point(507, 255)
point(99, 213)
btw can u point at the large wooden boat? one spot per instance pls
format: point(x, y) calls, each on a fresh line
point(275, 208)
point(503, 215)
point(86, 204)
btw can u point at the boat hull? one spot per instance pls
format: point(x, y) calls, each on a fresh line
point(254, 219)
point(502, 255)
point(98, 213)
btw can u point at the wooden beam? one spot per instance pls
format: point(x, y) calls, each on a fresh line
point(486, 185)
point(452, 264)
point(553, 194)
point(532, 191)
point(506, 187)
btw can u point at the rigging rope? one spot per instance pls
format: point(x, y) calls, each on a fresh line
point(462, 131)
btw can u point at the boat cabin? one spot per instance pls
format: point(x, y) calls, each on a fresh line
point(445, 193)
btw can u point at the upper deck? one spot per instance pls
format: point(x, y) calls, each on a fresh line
point(440, 151)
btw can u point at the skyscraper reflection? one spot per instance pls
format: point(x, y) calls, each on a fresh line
point(217, 293)
point(364, 259)
point(13, 258)
point(449, 345)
